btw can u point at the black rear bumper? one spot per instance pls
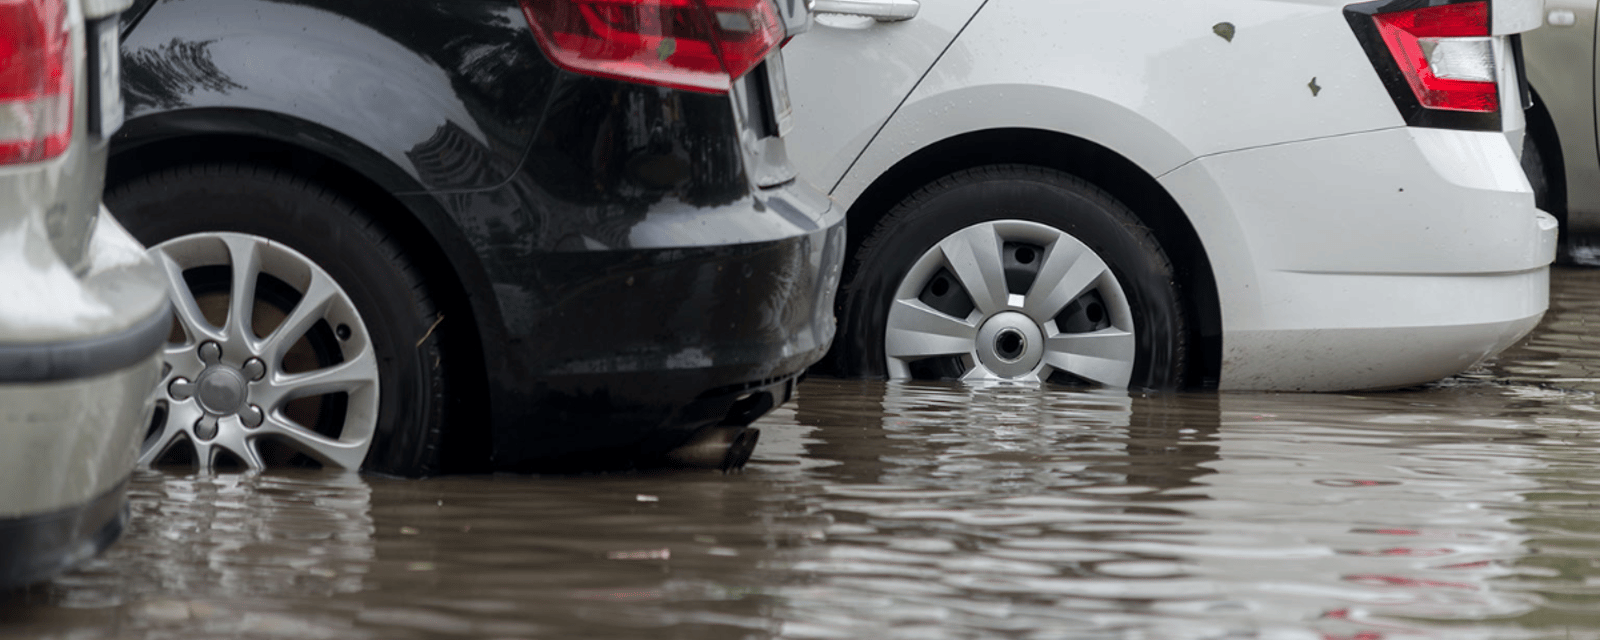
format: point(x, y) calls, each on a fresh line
point(648, 346)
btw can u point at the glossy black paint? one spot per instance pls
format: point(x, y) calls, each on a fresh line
point(624, 278)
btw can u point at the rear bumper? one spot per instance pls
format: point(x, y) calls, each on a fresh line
point(37, 546)
point(644, 346)
point(79, 355)
point(1376, 260)
point(66, 450)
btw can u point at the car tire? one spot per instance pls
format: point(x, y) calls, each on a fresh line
point(1013, 272)
point(379, 402)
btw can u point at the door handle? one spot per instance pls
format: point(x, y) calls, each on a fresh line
point(880, 10)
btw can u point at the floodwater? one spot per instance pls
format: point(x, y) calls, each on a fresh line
point(1466, 509)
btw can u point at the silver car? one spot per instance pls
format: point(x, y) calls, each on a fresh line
point(83, 312)
point(1560, 154)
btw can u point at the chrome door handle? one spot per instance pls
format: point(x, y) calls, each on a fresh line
point(880, 10)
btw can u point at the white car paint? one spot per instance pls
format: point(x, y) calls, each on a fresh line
point(1350, 250)
point(82, 316)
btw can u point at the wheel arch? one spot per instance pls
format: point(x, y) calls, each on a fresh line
point(1541, 127)
point(1104, 168)
point(162, 141)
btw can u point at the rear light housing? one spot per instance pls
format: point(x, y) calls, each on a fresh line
point(35, 80)
point(1437, 59)
point(696, 45)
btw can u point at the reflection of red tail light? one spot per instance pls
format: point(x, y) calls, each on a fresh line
point(1376, 580)
point(1364, 635)
point(1407, 552)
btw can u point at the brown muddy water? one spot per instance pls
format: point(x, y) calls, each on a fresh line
point(1466, 509)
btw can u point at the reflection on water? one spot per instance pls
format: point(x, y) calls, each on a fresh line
point(1467, 509)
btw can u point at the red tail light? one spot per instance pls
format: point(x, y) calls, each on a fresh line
point(35, 80)
point(699, 45)
point(1446, 55)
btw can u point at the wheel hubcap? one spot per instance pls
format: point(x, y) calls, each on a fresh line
point(229, 387)
point(1011, 299)
point(1010, 344)
point(222, 390)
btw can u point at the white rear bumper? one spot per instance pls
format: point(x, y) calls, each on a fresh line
point(1382, 259)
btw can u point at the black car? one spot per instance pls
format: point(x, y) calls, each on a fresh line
point(414, 236)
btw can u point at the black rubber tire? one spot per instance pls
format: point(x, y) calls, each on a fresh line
point(1017, 192)
point(347, 243)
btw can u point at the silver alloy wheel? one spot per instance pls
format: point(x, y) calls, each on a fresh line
point(226, 388)
point(1007, 334)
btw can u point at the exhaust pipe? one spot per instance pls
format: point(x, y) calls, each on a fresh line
point(728, 445)
point(716, 447)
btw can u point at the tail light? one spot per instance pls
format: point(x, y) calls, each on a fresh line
point(35, 80)
point(1438, 61)
point(698, 45)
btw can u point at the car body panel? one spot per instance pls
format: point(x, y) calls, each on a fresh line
point(559, 200)
point(827, 64)
point(254, 55)
point(1387, 277)
point(1135, 90)
point(64, 426)
point(1265, 121)
point(83, 320)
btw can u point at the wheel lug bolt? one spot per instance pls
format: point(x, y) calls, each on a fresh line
point(205, 428)
point(254, 369)
point(251, 416)
point(180, 389)
point(211, 353)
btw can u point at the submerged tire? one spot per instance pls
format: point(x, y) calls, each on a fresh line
point(304, 335)
point(1013, 272)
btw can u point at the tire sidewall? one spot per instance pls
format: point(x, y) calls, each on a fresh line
point(343, 243)
point(1045, 197)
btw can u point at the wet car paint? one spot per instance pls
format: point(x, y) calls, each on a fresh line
point(556, 209)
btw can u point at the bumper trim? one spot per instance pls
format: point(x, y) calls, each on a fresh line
point(52, 361)
point(36, 547)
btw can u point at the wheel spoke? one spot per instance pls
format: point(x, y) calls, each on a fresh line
point(1105, 356)
point(233, 439)
point(1069, 270)
point(974, 256)
point(179, 416)
point(313, 305)
point(246, 263)
point(184, 307)
point(329, 452)
point(917, 331)
point(348, 376)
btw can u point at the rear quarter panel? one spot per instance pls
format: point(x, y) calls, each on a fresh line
point(434, 87)
point(1159, 82)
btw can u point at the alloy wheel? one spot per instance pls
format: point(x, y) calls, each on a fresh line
point(270, 363)
point(1011, 299)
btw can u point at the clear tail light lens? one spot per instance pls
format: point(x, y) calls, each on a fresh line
point(1446, 55)
point(35, 80)
point(698, 45)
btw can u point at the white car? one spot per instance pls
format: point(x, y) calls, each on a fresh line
point(83, 312)
point(1246, 194)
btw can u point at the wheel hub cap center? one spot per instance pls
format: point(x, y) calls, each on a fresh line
point(222, 390)
point(1010, 344)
